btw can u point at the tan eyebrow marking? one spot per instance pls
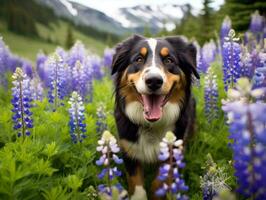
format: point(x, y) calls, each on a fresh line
point(143, 51)
point(164, 51)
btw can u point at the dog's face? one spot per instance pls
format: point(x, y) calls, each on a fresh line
point(154, 73)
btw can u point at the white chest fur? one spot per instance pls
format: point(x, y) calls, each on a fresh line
point(150, 134)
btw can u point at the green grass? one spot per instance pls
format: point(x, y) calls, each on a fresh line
point(49, 166)
point(28, 47)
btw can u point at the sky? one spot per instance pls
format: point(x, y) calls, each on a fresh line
point(109, 6)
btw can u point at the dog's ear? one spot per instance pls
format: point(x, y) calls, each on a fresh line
point(122, 51)
point(186, 53)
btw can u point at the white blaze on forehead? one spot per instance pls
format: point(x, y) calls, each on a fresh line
point(152, 44)
point(153, 69)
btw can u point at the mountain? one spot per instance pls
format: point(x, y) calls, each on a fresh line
point(120, 21)
point(153, 17)
point(85, 16)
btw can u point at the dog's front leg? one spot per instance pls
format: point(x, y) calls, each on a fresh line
point(135, 179)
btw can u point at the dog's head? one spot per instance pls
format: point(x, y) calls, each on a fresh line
point(154, 72)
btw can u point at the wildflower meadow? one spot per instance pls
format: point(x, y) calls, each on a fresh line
point(58, 138)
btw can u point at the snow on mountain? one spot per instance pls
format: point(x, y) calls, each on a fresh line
point(122, 20)
point(155, 17)
point(69, 6)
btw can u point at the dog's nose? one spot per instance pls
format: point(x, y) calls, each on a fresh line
point(154, 82)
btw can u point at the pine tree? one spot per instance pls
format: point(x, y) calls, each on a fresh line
point(207, 21)
point(69, 38)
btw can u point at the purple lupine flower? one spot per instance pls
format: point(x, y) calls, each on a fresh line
point(247, 121)
point(62, 53)
point(40, 59)
point(96, 67)
point(56, 91)
point(4, 57)
point(101, 125)
point(89, 78)
point(213, 183)
point(256, 26)
point(246, 38)
point(36, 89)
point(80, 80)
point(246, 65)
point(27, 68)
point(172, 183)
point(231, 54)
point(225, 28)
point(259, 78)
point(207, 56)
point(77, 53)
point(40, 62)
point(256, 23)
point(211, 95)
point(109, 149)
point(108, 57)
point(21, 102)
point(76, 123)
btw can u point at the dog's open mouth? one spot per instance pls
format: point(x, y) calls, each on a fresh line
point(152, 105)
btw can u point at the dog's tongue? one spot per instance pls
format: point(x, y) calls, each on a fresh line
point(152, 107)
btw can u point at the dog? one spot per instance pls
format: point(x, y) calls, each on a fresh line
point(152, 78)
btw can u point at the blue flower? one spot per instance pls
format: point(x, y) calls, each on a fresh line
point(207, 56)
point(36, 89)
point(21, 102)
point(77, 124)
point(96, 66)
point(81, 82)
point(108, 58)
point(211, 95)
point(247, 120)
point(56, 92)
point(40, 67)
point(231, 53)
point(171, 181)
point(77, 53)
point(225, 28)
point(109, 149)
point(256, 23)
point(101, 125)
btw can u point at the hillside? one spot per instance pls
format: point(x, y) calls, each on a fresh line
point(28, 46)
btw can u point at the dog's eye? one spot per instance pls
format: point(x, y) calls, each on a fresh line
point(139, 59)
point(168, 60)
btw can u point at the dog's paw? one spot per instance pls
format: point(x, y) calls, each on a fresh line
point(139, 194)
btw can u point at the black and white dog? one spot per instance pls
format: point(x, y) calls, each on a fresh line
point(153, 80)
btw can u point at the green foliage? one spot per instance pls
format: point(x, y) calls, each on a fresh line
point(209, 138)
point(20, 20)
point(47, 165)
point(28, 46)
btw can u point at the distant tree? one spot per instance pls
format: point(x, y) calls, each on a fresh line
point(207, 21)
point(19, 20)
point(69, 38)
